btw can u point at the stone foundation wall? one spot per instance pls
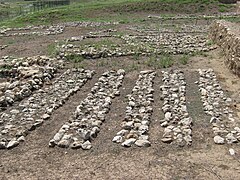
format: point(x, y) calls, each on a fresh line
point(227, 36)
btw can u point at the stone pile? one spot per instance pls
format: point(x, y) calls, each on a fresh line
point(227, 36)
point(13, 63)
point(23, 75)
point(19, 120)
point(85, 124)
point(217, 105)
point(135, 126)
point(176, 120)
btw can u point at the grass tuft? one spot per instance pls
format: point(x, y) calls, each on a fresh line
point(74, 58)
point(184, 59)
point(164, 61)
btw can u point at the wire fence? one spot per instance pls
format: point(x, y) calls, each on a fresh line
point(6, 11)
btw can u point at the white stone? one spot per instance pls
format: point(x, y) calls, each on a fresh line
point(117, 139)
point(12, 143)
point(45, 116)
point(232, 152)
point(218, 140)
point(143, 143)
point(86, 145)
point(128, 142)
point(168, 115)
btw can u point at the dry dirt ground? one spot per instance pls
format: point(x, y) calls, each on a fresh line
point(33, 159)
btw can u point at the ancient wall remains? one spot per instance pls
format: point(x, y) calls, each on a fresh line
point(227, 36)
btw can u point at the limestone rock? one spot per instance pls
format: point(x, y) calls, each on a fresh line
point(218, 140)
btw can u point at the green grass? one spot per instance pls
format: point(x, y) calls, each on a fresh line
point(51, 50)
point(132, 67)
point(184, 59)
point(74, 58)
point(224, 7)
point(99, 44)
point(233, 19)
point(111, 10)
point(164, 61)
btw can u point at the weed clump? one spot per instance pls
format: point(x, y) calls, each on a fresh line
point(164, 61)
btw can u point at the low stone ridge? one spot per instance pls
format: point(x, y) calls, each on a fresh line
point(217, 105)
point(227, 36)
point(144, 42)
point(135, 126)
point(44, 30)
point(177, 122)
point(194, 16)
point(32, 30)
point(17, 121)
point(85, 123)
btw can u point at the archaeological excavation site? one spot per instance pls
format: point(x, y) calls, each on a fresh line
point(120, 89)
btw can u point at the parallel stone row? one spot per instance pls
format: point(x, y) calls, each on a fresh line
point(135, 126)
point(87, 24)
point(174, 43)
point(49, 30)
point(96, 34)
point(32, 30)
point(145, 43)
point(16, 122)
point(85, 124)
point(172, 28)
point(177, 122)
point(217, 105)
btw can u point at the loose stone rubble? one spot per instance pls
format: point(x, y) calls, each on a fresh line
point(85, 124)
point(136, 123)
point(49, 30)
point(172, 43)
point(3, 47)
point(172, 28)
point(16, 122)
point(22, 76)
point(145, 43)
point(87, 24)
point(217, 105)
point(177, 122)
point(32, 30)
point(97, 34)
